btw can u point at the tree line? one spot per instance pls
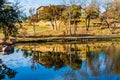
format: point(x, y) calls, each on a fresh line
point(69, 14)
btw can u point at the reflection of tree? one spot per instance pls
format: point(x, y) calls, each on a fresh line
point(73, 61)
point(33, 58)
point(111, 51)
point(107, 58)
point(27, 53)
point(116, 67)
point(115, 58)
point(70, 75)
point(101, 55)
point(6, 71)
point(55, 59)
point(58, 60)
point(90, 57)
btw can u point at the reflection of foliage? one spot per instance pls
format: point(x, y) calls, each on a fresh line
point(54, 59)
point(27, 53)
point(116, 68)
point(58, 60)
point(111, 62)
point(6, 71)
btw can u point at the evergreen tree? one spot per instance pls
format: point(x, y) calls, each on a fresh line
point(9, 16)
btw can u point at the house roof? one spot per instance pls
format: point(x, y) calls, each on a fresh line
point(50, 5)
point(41, 7)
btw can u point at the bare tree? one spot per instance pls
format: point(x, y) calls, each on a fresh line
point(112, 14)
point(33, 18)
point(69, 3)
point(92, 11)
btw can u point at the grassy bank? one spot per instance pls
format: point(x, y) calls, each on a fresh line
point(45, 29)
point(65, 40)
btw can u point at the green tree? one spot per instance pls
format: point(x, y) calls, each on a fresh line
point(9, 16)
point(52, 13)
point(92, 12)
point(25, 18)
point(75, 15)
point(70, 3)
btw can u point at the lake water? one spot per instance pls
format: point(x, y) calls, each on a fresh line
point(52, 61)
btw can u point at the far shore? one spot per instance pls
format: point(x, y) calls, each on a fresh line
point(68, 39)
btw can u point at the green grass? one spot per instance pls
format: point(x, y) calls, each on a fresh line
point(1, 36)
point(38, 28)
point(42, 27)
point(81, 24)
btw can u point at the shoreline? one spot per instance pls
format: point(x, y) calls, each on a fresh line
point(68, 39)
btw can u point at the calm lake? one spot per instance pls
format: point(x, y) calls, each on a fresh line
point(53, 61)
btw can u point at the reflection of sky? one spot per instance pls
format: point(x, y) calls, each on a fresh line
point(15, 60)
point(103, 71)
point(22, 65)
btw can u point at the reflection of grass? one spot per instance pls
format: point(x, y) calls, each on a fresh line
point(81, 48)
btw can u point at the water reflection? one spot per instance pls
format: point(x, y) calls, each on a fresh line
point(6, 49)
point(59, 60)
point(6, 71)
point(54, 58)
point(78, 61)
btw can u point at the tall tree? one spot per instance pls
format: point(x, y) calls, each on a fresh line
point(52, 13)
point(112, 14)
point(92, 12)
point(70, 3)
point(75, 15)
point(33, 18)
point(9, 16)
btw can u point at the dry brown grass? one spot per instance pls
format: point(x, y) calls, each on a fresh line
point(96, 31)
point(44, 28)
point(80, 30)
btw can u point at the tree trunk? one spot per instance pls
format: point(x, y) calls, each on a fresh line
point(88, 23)
point(55, 21)
point(5, 32)
point(34, 28)
point(66, 27)
point(52, 23)
point(69, 20)
point(59, 25)
point(75, 27)
point(108, 24)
